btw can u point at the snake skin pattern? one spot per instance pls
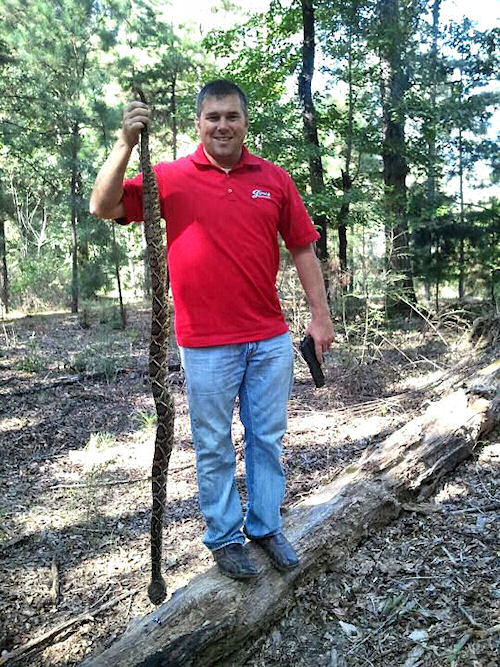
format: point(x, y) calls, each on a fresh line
point(160, 333)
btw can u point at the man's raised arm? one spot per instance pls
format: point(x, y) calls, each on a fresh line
point(106, 197)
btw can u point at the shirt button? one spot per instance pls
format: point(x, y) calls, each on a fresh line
point(230, 190)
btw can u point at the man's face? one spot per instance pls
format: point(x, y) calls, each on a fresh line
point(222, 127)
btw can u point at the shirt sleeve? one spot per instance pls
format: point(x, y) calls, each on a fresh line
point(132, 199)
point(295, 226)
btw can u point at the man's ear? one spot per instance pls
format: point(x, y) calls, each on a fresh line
point(197, 125)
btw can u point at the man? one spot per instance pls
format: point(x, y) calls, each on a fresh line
point(224, 208)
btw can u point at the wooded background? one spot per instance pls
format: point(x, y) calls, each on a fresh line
point(380, 111)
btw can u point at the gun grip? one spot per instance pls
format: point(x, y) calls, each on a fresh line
point(308, 352)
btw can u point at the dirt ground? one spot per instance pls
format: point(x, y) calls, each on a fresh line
point(77, 431)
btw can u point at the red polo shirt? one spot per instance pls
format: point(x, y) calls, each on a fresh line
point(223, 252)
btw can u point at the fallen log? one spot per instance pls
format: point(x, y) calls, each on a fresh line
point(209, 621)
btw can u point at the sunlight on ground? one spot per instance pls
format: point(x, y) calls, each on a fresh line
point(419, 381)
point(451, 490)
point(364, 428)
point(331, 429)
point(103, 449)
point(87, 484)
point(490, 454)
point(20, 314)
point(17, 423)
point(315, 421)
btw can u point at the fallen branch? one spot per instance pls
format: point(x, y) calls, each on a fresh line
point(116, 482)
point(55, 589)
point(213, 619)
point(79, 379)
point(64, 382)
point(88, 615)
point(432, 508)
point(13, 541)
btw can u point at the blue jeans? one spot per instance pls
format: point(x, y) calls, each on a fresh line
point(261, 374)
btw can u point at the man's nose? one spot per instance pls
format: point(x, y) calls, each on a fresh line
point(223, 124)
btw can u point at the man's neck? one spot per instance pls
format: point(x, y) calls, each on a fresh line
point(224, 167)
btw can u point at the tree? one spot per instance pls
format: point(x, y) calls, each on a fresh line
point(4, 275)
point(469, 111)
point(168, 64)
point(306, 73)
point(55, 50)
point(351, 116)
point(395, 23)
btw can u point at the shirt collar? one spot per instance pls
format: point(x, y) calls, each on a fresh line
point(246, 159)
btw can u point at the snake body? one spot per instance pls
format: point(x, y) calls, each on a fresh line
point(160, 329)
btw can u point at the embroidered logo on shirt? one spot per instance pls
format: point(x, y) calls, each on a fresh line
point(260, 194)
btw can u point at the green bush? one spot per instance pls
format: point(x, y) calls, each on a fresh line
point(36, 284)
point(32, 361)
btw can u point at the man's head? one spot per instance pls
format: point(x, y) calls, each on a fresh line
point(222, 121)
point(220, 88)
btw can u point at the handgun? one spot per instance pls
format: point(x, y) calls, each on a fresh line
point(308, 352)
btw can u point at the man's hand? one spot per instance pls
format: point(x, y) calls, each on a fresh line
point(321, 331)
point(135, 117)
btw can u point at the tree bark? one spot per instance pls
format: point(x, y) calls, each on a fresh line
point(173, 113)
point(4, 276)
point(434, 120)
point(118, 279)
point(347, 180)
point(209, 621)
point(342, 228)
point(394, 83)
point(75, 136)
point(461, 244)
point(316, 178)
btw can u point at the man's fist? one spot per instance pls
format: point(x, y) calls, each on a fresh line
point(135, 117)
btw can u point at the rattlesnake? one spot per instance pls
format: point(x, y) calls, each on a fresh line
point(160, 329)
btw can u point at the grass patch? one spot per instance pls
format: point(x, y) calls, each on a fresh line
point(146, 421)
point(99, 358)
point(33, 360)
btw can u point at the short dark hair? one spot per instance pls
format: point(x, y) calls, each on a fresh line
point(220, 88)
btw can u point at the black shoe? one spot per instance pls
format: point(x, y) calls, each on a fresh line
point(279, 550)
point(232, 561)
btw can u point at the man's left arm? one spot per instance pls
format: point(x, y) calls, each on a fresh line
point(320, 327)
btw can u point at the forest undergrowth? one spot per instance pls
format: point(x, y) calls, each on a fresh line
point(77, 430)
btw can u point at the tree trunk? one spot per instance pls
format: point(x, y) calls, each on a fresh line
point(461, 248)
point(4, 276)
point(75, 136)
point(173, 113)
point(309, 119)
point(343, 213)
point(342, 231)
point(434, 120)
point(394, 83)
point(118, 280)
point(209, 621)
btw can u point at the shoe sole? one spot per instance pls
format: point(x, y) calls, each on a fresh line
point(239, 577)
point(282, 568)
